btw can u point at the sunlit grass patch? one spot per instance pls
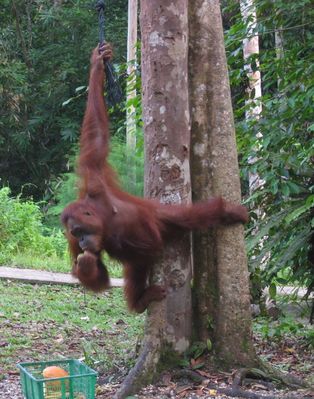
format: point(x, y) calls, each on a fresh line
point(54, 263)
point(48, 322)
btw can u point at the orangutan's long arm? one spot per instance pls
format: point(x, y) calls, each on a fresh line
point(95, 128)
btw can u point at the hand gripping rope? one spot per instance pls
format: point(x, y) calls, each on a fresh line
point(114, 93)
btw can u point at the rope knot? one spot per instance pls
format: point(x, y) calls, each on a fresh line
point(100, 5)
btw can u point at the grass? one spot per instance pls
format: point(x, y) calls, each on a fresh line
point(52, 322)
point(54, 263)
point(28, 260)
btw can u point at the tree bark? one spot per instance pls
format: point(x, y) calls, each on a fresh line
point(254, 88)
point(167, 141)
point(131, 94)
point(205, 298)
point(164, 27)
point(251, 47)
point(131, 59)
point(221, 289)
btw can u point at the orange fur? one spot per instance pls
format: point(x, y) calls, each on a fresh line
point(130, 229)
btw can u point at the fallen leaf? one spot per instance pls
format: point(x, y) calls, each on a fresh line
point(197, 363)
point(13, 372)
point(259, 386)
point(289, 350)
point(199, 391)
point(203, 373)
point(183, 389)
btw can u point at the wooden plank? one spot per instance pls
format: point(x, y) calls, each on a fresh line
point(44, 277)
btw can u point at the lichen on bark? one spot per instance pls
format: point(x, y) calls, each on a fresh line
point(167, 178)
point(219, 255)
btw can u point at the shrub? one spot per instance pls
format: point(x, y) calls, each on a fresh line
point(21, 229)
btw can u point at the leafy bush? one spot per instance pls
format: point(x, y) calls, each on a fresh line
point(21, 229)
point(278, 146)
point(286, 326)
point(37, 77)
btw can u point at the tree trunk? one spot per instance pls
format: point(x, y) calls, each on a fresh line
point(254, 88)
point(204, 274)
point(167, 141)
point(131, 94)
point(221, 289)
point(131, 59)
point(167, 178)
point(251, 47)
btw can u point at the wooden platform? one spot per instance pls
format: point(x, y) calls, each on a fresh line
point(44, 277)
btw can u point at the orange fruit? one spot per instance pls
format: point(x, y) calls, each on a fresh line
point(54, 372)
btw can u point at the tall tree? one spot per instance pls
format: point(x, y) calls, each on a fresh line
point(131, 91)
point(251, 66)
point(283, 156)
point(221, 290)
point(166, 117)
point(164, 26)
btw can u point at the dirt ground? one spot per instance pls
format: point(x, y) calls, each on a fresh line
point(290, 355)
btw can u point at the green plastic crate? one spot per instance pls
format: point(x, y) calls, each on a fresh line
point(80, 384)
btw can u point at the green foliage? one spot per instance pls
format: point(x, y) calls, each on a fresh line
point(209, 345)
point(44, 60)
point(284, 327)
point(25, 241)
point(21, 229)
point(129, 162)
point(43, 75)
point(279, 145)
point(63, 191)
point(197, 349)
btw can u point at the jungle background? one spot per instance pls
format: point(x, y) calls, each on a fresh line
point(44, 62)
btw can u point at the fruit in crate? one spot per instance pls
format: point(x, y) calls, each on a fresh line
point(54, 372)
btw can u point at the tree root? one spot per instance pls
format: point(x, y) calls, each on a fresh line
point(270, 373)
point(265, 376)
point(142, 373)
point(234, 391)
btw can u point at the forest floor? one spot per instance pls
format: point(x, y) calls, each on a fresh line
point(288, 355)
point(50, 322)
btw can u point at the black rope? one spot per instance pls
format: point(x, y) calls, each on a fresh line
point(113, 89)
